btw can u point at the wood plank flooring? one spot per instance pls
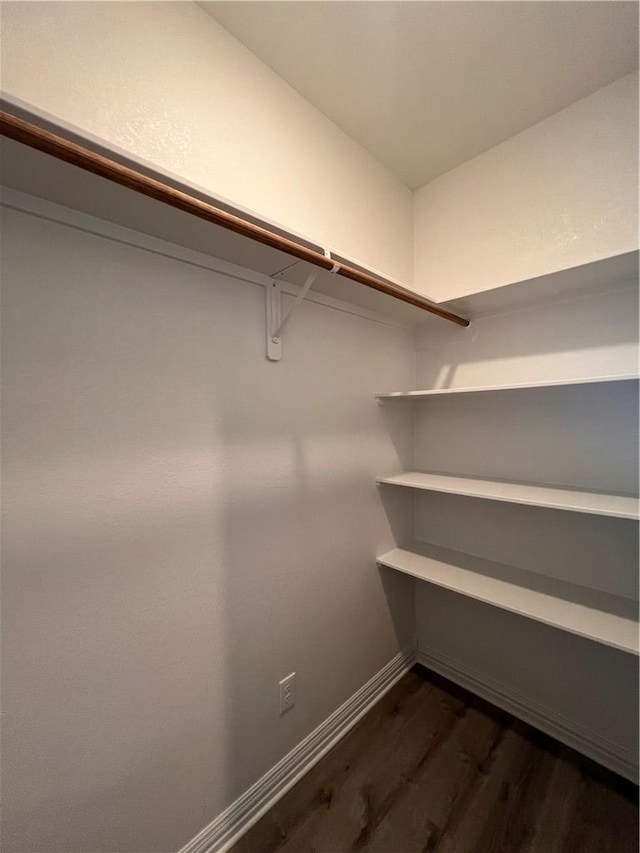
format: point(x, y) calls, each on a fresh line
point(433, 769)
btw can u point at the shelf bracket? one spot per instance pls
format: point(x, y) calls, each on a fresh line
point(273, 320)
point(276, 323)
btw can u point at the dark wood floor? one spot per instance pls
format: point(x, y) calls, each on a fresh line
point(434, 768)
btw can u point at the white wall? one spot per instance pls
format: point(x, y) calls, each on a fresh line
point(592, 335)
point(587, 693)
point(560, 194)
point(164, 81)
point(185, 523)
point(583, 436)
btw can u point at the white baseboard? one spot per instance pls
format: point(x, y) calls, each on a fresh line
point(589, 743)
point(232, 823)
point(223, 832)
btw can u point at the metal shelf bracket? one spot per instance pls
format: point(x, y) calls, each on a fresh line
point(275, 322)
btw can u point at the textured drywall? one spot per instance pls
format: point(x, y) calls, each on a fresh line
point(592, 335)
point(164, 81)
point(185, 523)
point(560, 194)
point(437, 83)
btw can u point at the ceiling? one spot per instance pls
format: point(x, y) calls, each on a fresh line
point(425, 86)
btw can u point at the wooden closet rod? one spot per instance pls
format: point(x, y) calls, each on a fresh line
point(43, 140)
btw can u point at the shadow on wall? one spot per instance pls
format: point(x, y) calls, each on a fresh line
point(302, 524)
point(186, 523)
point(582, 436)
point(588, 336)
point(582, 549)
point(398, 420)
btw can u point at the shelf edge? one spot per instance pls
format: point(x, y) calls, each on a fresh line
point(387, 561)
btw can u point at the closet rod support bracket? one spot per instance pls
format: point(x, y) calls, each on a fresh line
point(275, 322)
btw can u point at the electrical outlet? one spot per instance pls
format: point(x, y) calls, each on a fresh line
point(287, 693)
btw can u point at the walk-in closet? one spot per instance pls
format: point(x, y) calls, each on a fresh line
point(320, 426)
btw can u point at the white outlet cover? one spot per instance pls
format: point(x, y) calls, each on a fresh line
point(287, 693)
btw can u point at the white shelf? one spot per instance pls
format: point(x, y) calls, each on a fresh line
point(589, 613)
point(552, 383)
point(573, 500)
point(615, 271)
